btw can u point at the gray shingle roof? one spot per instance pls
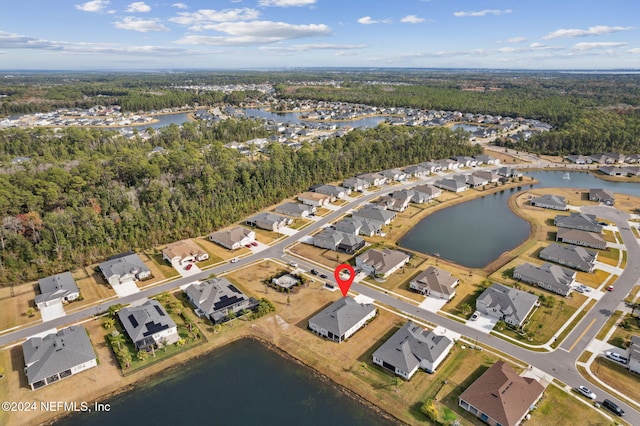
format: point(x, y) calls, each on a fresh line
point(143, 321)
point(572, 256)
point(217, 295)
point(128, 264)
point(56, 287)
point(550, 202)
point(410, 345)
point(55, 353)
point(374, 213)
point(585, 222)
point(557, 278)
point(341, 315)
point(513, 304)
point(437, 280)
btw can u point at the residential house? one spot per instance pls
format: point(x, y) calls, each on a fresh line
point(233, 238)
point(184, 251)
point(431, 167)
point(332, 239)
point(579, 159)
point(633, 158)
point(435, 282)
point(547, 201)
point(381, 263)
point(315, 199)
point(508, 172)
point(417, 171)
point(486, 159)
point(425, 193)
point(148, 325)
point(475, 181)
point(397, 202)
point(602, 159)
point(411, 348)
point(342, 319)
point(581, 221)
point(581, 238)
point(572, 256)
point(613, 171)
point(602, 196)
point(124, 268)
point(464, 161)
point(500, 396)
point(217, 298)
point(550, 277)
point(633, 355)
point(337, 192)
point(356, 184)
point(375, 213)
point(451, 185)
point(55, 289)
point(507, 304)
point(57, 355)
point(360, 226)
point(295, 209)
point(373, 179)
point(269, 221)
point(488, 175)
point(394, 175)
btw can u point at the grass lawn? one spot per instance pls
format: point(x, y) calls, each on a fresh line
point(399, 281)
point(609, 236)
point(635, 231)
point(618, 377)
point(218, 252)
point(633, 294)
point(162, 265)
point(558, 407)
point(300, 223)
point(608, 324)
point(610, 256)
point(593, 279)
point(584, 356)
point(13, 308)
point(466, 294)
point(621, 337)
point(624, 259)
point(92, 287)
point(339, 202)
point(322, 212)
point(328, 258)
point(575, 321)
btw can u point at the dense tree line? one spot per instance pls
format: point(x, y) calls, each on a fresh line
point(88, 194)
point(595, 131)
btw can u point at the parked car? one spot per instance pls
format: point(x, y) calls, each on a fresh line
point(586, 392)
point(188, 267)
point(616, 357)
point(253, 243)
point(247, 245)
point(475, 316)
point(235, 260)
point(610, 288)
point(613, 407)
point(314, 272)
point(294, 264)
point(323, 276)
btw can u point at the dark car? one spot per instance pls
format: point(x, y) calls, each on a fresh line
point(323, 276)
point(314, 272)
point(613, 407)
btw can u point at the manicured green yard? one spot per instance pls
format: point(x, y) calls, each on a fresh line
point(630, 326)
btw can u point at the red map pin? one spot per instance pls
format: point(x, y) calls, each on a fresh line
point(344, 283)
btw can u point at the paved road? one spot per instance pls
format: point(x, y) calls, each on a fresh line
point(559, 363)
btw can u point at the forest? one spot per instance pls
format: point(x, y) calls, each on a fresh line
point(88, 194)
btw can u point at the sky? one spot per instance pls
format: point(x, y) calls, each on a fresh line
point(264, 34)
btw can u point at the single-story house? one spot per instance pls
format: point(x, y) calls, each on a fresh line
point(233, 238)
point(581, 238)
point(500, 396)
point(581, 221)
point(373, 179)
point(216, 298)
point(508, 172)
point(342, 319)
point(184, 251)
point(381, 263)
point(488, 175)
point(633, 355)
point(356, 184)
point(550, 277)
point(475, 181)
point(572, 256)
point(148, 325)
point(295, 209)
point(332, 239)
point(613, 170)
point(123, 268)
point(602, 159)
point(57, 355)
point(359, 226)
point(376, 213)
point(425, 192)
point(579, 159)
point(602, 196)
point(396, 202)
point(394, 175)
point(417, 171)
point(57, 288)
point(486, 159)
point(269, 221)
point(451, 185)
point(411, 348)
point(553, 202)
point(315, 199)
point(435, 282)
point(337, 192)
point(507, 304)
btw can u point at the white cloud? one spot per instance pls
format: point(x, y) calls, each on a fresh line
point(142, 25)
point(205, 16)
point(634, 50)
point(138, 7)
point(93, 6)
point(484, 12)
point(316, 46)
point(595, 30)
point(367, 20)
point(286, 3)
point(16, 41)
point(412, 19)
point(516, 40)
point(256, 32)
point(598, 45)
point(180, 6)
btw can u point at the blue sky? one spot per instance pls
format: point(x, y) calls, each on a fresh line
point(231, 34)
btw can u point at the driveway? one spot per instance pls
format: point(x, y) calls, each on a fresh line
point(433, 304)
point(53, 311)
point(483, 324)
point(126, 289)
point(285, 230)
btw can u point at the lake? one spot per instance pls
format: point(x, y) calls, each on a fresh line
point(291, 117)
point(243, 383)
point(475, 233)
